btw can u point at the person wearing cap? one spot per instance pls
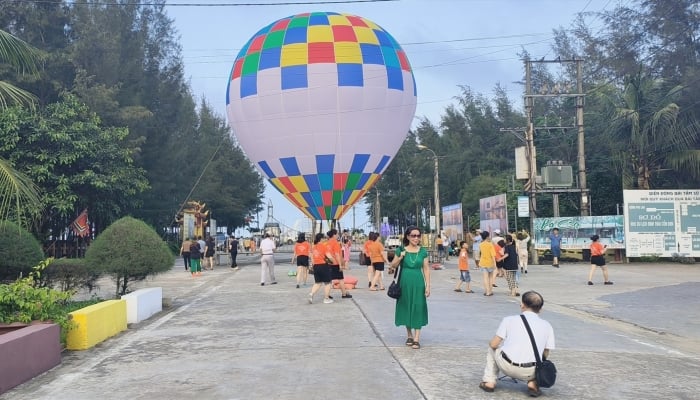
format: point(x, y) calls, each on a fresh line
point(598, 260)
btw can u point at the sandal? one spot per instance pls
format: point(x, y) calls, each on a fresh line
point(409, 341)
point(415, 345)
point(533, 392)
point(485, 388)
point(373, 290)
point(468, 291)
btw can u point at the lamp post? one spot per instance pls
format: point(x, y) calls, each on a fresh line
point(436, 177)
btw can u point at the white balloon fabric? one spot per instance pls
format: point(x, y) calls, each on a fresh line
point(320, 103)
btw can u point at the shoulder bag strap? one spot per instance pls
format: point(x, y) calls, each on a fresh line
point(396, 271)
point(532, 340)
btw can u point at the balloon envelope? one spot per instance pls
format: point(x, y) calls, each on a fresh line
point(320, 103)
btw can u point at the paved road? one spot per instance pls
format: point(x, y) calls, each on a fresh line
point(226, 337)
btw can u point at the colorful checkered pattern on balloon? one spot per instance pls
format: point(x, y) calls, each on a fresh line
point(295, 42)
point(338, 191)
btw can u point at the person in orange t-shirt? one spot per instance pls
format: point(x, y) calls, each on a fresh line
point(322, 272)
point(464, 269)
point(377, 258)
point(368, 262)
point(598, 260)
point(301, 253)
point(336, 262)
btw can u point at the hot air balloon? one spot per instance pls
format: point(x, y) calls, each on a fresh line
point(321, 102)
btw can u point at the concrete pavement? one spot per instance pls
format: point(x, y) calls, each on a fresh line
point(226, 337)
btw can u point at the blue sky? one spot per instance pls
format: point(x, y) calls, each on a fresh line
point(448, 42)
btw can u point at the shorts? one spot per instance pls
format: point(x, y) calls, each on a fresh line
point(378, 266)
point(302, 261)
point(322, 273)
point(598, 260)
point(556, 252)
point(488, 269)
point(464, 276)
point(477, 254)
point(336, 273)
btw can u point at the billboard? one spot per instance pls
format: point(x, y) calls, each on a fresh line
point(493, 213)
point(576, 232)
point(452, 222)
point(663, 223)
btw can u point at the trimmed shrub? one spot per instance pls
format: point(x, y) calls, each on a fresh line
point(69, 274)
point(19, 251)
point(129, 250)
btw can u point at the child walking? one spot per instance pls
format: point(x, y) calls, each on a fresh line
point(464, 269)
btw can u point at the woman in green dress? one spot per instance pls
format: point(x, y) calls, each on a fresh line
point(412, 306)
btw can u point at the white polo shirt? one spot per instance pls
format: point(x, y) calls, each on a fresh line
point(267, 246)
point(516, 342)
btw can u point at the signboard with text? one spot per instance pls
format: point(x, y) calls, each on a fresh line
point(576, 232)
point(452, 221)
point(662, 222)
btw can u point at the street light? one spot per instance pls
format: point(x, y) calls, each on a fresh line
point(436, 177)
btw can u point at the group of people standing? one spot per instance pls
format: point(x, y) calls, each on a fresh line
point(193, 251)
point(501, 257)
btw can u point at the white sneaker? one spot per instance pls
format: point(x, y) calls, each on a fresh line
point(327, 301)
point(311, 298)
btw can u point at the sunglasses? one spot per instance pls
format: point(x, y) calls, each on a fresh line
point(414, 236)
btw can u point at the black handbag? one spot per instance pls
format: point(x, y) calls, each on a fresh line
point(395, 288)
point(545, 370)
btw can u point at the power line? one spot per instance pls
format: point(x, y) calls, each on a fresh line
point(138, 3)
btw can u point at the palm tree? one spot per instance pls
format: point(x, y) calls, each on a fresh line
point(19, 197)
point(654, 133)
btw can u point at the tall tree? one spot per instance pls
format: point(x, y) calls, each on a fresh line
point(654, 136)
point(19, 196)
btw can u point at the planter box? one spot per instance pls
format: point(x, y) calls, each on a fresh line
point(27, 352)
point(96, 323)
point(142, 304)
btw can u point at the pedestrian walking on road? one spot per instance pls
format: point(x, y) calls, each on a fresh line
point(510, 350)
point(521, 243)
point(598, 260)
point(487, 262)
point(510, 265)
point(185, 253)
point(209, 251)
point(377, 257)
point(368, 262)
point(555, 246)
point(322, 272)
point(302, 249)
point(267, 261)
point(464, 276)
point(412, 307)
point(336, 262)
point(476, 242)
point(233, 250)
point(195, 258)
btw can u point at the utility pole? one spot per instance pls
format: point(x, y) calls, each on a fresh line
point(557, 91)
point(531, 185)
point(585, 204)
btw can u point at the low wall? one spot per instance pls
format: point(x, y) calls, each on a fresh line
point(96, 323)
point(28, 352)
point(142, 304)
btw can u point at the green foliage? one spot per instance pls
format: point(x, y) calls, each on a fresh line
point(73, 159)
point(69, 275)
point(19, 251)
point(23, 301)
point(129, 250)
